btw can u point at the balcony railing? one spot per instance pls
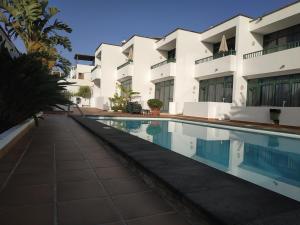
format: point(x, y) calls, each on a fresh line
point(162, 63)
point(124, 64)
point(272, 50)
point(215, 56)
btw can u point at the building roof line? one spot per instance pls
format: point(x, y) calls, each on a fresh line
point(105, 43)
point(276, 10)
point(224, 21)
point(141, 36)
point(176, 29)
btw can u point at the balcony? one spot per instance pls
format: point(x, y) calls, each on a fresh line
point(96, 73)
point(163, 70)
point(273, 61)
point(125, 70)
point(218, 64)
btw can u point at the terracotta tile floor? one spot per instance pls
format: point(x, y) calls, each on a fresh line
point(59, 174)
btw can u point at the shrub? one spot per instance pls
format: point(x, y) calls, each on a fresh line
point(133, 107)
point(26, 88)
point(154, 103)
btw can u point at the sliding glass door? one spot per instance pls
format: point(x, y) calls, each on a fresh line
point(164, 92)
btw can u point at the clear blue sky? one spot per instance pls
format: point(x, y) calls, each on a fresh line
point(96, 21)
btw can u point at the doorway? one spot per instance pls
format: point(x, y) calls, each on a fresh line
point(164, 92)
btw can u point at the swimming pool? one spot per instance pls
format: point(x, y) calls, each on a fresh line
point(268, 159)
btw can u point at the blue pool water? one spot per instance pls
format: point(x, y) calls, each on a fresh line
point(270, 161)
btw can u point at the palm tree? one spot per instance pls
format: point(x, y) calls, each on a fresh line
point(127, 93)
point(32, 21)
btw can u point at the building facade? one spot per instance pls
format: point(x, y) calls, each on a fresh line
point(189, 71)
point(80, 75)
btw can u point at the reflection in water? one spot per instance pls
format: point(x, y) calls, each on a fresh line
point(272, 162)
point(217, 152)
point(280, 165)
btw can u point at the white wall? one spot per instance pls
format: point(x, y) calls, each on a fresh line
point(73, 88)
point(289, 115)
point(111, 58)
point(144, 55)
point(214, 110)
point(186, 87)
point(277, 63)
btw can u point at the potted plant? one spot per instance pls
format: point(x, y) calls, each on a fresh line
point(155, 105)
point(274, 115)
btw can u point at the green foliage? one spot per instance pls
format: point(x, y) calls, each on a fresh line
point(68, 94)
point(84, 92)
point(154, 103)
point(133, 107)
point(127, 94)
point(117, 102)
point(34, 23)
point(26, 88)
point(120, 101)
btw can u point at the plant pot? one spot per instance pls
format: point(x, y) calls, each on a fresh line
point(274, 115)
point(155, 111)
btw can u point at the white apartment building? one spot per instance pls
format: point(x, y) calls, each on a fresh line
point(259, 70)
point(80, 75)
point(104, 74)
point(8, 44)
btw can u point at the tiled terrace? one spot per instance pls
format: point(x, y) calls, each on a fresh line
point(60, 174)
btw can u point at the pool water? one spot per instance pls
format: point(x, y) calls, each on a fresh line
point(270, 161)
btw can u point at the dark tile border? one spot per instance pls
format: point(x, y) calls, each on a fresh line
point(222, 198)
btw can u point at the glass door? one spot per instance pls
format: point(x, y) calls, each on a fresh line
point(164, 92)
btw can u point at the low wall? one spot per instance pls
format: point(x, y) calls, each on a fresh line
point(216, 110)
point(289, 116)
point(9, 137)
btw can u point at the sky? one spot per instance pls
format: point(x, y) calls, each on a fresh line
point(111, 21)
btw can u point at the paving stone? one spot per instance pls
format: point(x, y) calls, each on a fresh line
point(140, 204)
point(31, 179)
point(124, 186)
point(28, 215)
point(72, 165)
point(86, 212)
point(23, 195)
point(106, 162)
point(79, 190)
point(165, 219)
point(76, 175)
point(69, 156)
point(113, 172)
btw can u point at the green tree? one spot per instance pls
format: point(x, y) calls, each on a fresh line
point(84, 92)
point(26, 88)
point(33, 22)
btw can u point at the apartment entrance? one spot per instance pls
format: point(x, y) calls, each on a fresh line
point(164, 92)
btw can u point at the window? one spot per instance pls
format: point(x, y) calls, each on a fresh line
point(274, 91)
point(172, 54)
point(81, 76)
point(230, 44)
point(127, 84)
point(216, 90)
point(282, 37)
